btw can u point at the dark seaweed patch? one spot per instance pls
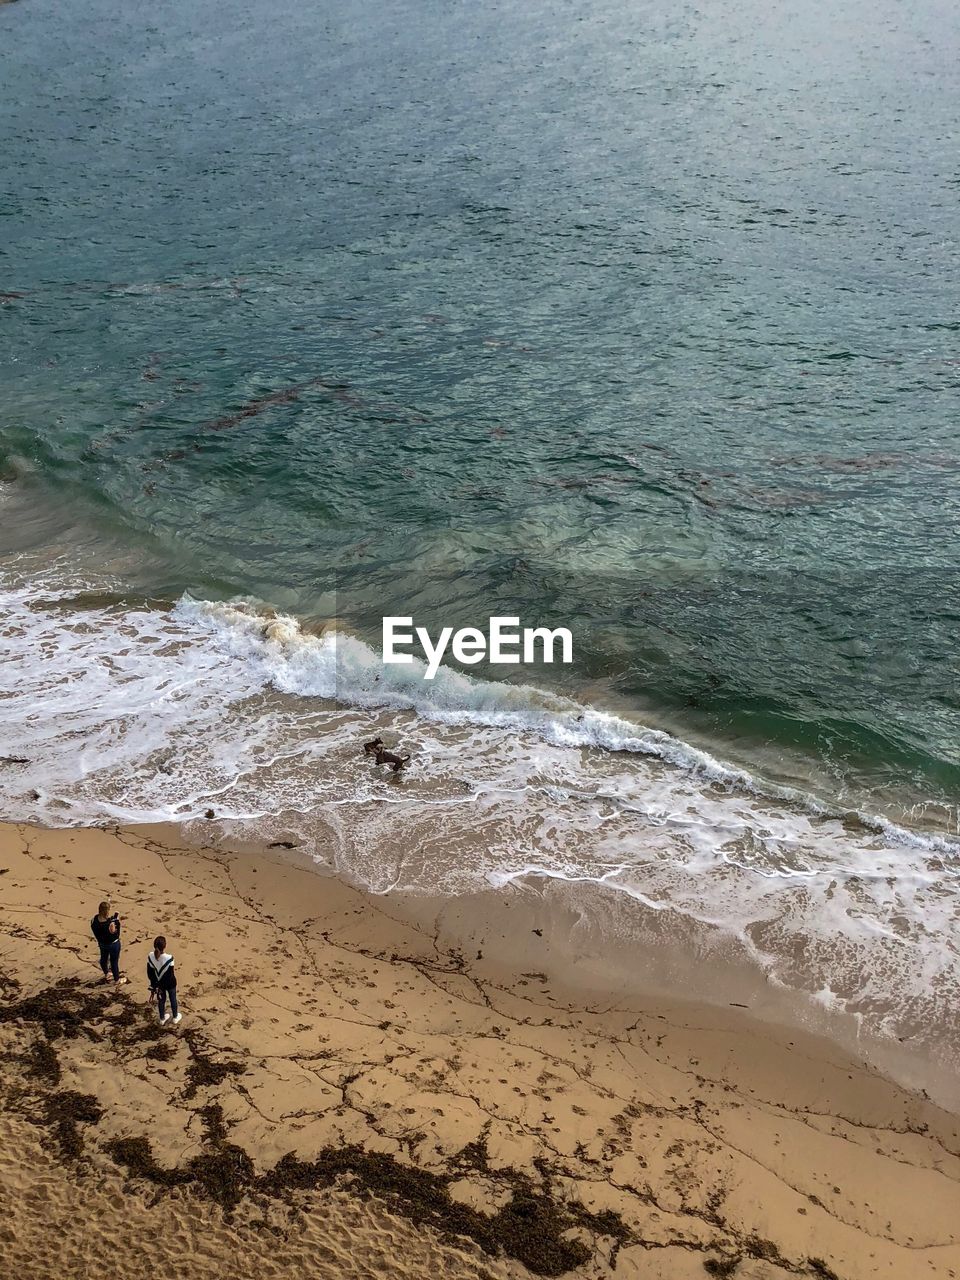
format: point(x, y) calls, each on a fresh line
point(224, 1175)
point(161, 1051)
point(66, 1011)
point(9, 987)
point(214, 1126)
point(475, 1155)
point(203, 1071)
point(136, 1156)
point(530, 1228)
point(41, 1062)
point(757, 1247)
point(64, 1113)
point(721, 1266)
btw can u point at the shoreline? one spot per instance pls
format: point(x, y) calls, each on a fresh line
point(343, 1059)
point(657, 959)
point(852, 923)
point(601, 945)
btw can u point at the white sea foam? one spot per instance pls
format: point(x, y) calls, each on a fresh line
point(337, 665)
point(141, 714)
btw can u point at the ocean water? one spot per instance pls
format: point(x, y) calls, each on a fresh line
point(635, 319)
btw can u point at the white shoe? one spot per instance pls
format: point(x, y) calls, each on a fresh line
point(177, 1018)
point(165, 1019)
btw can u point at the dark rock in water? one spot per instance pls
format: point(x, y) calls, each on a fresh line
point(14, 760)
point(209, 814)
point(283, 844)
point(859, 825)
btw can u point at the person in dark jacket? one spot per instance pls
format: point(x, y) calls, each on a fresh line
point(106, 929)
point(163, 981)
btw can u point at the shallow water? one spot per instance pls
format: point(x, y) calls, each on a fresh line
point(640, 322)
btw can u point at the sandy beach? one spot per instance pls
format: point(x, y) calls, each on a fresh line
point(480, 575)
point(352, 1094)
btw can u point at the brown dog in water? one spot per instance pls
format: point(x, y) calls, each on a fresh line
point(387, 757)
point(381, 755)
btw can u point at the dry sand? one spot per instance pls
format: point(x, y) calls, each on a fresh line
point(349, 1095)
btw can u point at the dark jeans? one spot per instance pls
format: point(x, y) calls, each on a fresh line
point(110, 958)
point(162, 1000)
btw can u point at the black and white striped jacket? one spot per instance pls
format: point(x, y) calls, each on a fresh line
point(160, 972)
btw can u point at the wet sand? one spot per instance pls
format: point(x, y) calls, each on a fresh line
point(354, 1092)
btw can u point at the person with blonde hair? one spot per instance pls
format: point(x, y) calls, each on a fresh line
point(106, 929)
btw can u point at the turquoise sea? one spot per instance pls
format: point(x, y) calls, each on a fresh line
point(639, 319)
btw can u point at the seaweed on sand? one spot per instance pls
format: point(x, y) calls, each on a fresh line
point(721, 1266)
point(67, 1010)
point(532, 1227)
point(64, 1112)
point(214, 1125)
point(535, 1227)
point(203, 1071)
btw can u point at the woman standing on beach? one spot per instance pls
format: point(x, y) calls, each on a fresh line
point(106, 929)
point(163, 981)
